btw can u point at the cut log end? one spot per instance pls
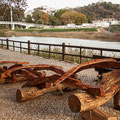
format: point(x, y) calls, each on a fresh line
point(19, 96)
point(74, 103)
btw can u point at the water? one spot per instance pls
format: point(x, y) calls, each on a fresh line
point(71, 41)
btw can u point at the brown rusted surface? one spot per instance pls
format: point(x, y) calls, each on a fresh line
point(71, 82)
point(51, 79)
point(13, 80)
point(29, 74)
point(54, 68)
point(15, 65)
point(38, 74)
point(117, 101)
point(69, 78)
point(2, 70)
point(99, 63)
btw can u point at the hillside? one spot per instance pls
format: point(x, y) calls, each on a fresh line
point(101, 10)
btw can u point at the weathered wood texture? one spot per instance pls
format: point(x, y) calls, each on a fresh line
point(96, 114)
point(33, 92)
point(84, 101)
point(117, 101)
point(11, 80)
point(54, 68)
point(99, 63)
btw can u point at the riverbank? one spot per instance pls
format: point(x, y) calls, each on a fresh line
point(101, 35)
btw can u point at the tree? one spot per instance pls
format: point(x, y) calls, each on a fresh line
point(40, 17)
point(88, 19)
point(18, 8)
point(54, 20)
point(100, 10)
point(28, 19)
point(73, 17)
point(60, 12)
point(15, 3)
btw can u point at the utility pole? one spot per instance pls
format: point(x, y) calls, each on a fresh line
point(11, 14)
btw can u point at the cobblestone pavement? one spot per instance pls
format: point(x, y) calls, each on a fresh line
point(47, 107)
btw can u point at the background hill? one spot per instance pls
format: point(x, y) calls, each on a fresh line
point(100, 10)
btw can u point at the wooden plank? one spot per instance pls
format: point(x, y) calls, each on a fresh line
point(7, 42)
point(28, 47)
point(96, 114)
point(63, 51)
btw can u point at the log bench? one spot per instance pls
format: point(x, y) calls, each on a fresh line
point(84, 102)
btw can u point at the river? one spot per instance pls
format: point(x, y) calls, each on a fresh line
point(71, 41)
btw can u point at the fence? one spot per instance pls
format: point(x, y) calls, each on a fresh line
point(12, 44)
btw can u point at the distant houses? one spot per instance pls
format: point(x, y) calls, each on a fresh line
point(44, 8)
point(105, 22)
point(96, 23)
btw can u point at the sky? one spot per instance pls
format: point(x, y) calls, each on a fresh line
point(58, 4)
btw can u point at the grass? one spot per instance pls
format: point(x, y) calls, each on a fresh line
point(2, 34)
point(71, 59)
point(58, 30)
point(115, 28)
point(67, 58)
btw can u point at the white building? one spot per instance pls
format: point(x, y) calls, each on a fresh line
point(48, 10)
point(105, 22)
point(71, 25)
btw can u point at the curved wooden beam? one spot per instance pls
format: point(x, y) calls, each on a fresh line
point(54, 68)
point(98, 63)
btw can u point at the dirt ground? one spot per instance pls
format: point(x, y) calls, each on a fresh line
point(101, 35)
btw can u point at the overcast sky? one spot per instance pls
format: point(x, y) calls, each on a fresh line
point(57, 4)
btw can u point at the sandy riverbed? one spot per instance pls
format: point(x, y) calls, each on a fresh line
point(82, 35)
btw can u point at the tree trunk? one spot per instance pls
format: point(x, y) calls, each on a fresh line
point(10, 80)
point(84, 101)
point(33, 92)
